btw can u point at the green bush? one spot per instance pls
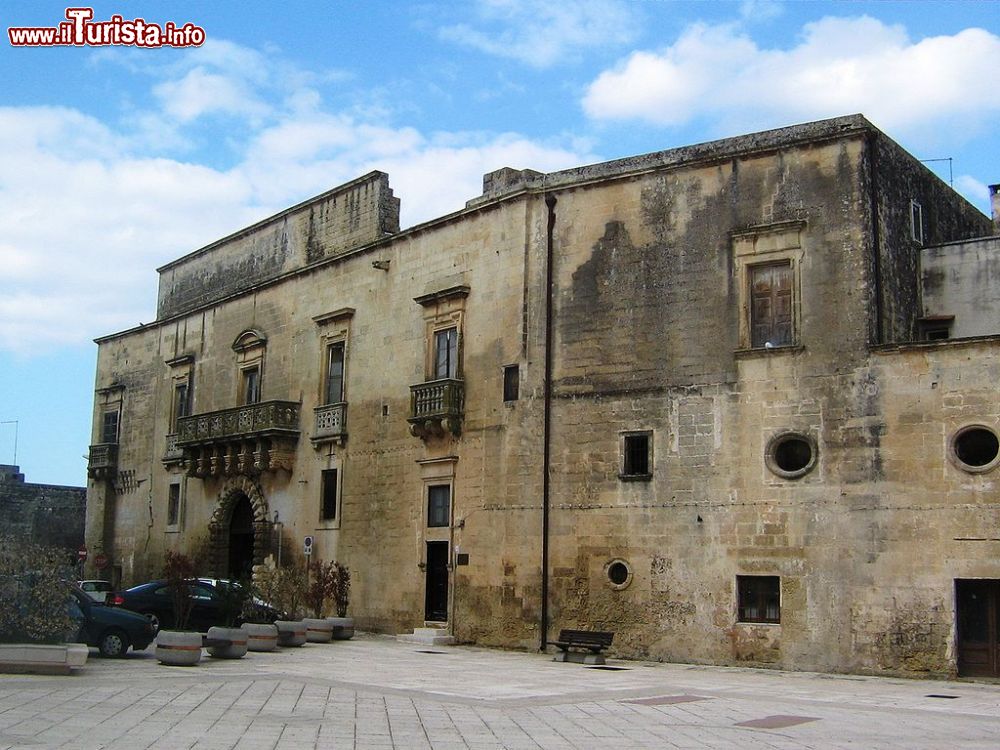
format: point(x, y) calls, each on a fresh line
point(34, 600)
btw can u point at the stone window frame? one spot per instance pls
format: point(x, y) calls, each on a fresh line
point(109, 400)
point(745, 595)
point(324, 523)
point(916, 222)
point(957, 462)
point(443, 309)
point(629, 574)
point(250, 348)
point(511, 383)
point(763, 245)
point(623, 439)
point(178, 524)
point(334, 328)
point(435, 471)
point(783, 436)
point(181, 375)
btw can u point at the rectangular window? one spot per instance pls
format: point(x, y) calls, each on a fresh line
point(250, 392)
point(446, 353)
point(329, 509)
point(637, 459)
point(511, 382)
point(173, 505)
point(335, 373)
point(439, 505)
point(759, 599)
point(182, 402)
point(917, 222)
point(109, 427)
point(771, 306)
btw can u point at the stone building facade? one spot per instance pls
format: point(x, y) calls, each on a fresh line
point(48, 514)
point(700, 398)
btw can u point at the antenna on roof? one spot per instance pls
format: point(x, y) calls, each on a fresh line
point(951, 175)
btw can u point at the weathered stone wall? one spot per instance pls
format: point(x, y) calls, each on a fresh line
point(650, 309)
point(963, 279)
point(47, 514)
point(348, 217)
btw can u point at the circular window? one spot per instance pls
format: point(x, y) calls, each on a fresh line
point(791, 455)
point(619, 574)
point(975, 448)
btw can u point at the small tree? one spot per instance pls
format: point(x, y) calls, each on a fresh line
point(34, 599)
point(234, 597)
point(341, 592)
point(283, 588)
point(322, 582)
point(179, 570)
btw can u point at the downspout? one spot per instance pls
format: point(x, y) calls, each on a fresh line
point(876, 236)
point(550, 203)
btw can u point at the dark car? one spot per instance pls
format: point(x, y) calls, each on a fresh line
point(210, 601)
point(111, 629)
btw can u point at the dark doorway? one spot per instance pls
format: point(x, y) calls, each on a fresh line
point(241, 539)
point(977, 603)
point(436, 598)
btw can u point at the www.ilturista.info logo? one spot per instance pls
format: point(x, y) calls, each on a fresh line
point(79, 29)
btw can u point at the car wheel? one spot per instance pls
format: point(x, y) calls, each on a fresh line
point(153, 620)
point(113, 643)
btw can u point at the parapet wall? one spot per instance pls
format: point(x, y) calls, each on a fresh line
point(345, 218)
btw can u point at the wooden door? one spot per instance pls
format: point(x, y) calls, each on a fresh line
point(436, 597)
point(976, 604)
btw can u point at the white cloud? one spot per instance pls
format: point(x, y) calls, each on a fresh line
point(838, 66)
point(542, 34)
point(86, 216)
point(201, 92)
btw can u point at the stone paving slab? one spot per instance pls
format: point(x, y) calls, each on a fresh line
point(375, 692)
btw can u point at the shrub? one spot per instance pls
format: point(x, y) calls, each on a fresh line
point(179, 571)
point(341, 592)
point(283, 588)
point(322, 582)
point(34, 600)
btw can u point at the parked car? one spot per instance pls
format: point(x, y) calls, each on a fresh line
point(96, 590)
point(155, 600)
point(112, 630)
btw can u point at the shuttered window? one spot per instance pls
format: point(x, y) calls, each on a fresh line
point(771, 306)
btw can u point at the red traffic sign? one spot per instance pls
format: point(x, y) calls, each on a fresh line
point(101, 561)
point(81, 554)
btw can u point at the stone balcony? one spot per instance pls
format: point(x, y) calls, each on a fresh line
point(436, 408)
point(244, 440)
point(174, 454)
point(102, 463)
point(331, 424)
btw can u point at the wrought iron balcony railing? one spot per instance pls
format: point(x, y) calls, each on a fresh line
point(436, 407)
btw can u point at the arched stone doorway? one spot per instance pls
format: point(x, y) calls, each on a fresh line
point(241, 557)
point(239, 531)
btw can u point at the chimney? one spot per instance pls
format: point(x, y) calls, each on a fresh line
point(995, 203)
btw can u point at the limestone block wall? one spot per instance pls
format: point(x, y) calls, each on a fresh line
point(46, 514)
point(960, 279)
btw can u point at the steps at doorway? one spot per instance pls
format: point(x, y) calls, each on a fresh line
point(427, 637)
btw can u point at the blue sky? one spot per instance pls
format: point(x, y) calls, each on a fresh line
point(116, 160)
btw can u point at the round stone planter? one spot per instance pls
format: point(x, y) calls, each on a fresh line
point(261, 636)
point(178, 648)
point(343, 627)
point(318, 630)
point(236, 648)
point(291, 632)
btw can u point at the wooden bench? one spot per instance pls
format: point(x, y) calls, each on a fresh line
point(589, 642)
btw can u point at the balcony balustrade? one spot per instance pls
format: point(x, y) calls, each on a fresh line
point(436, 408)
point(246, 440)
point(331, 423)
point(102, 463)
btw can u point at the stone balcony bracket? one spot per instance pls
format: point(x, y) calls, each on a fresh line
point(102, 463)
point(331, 424)
point(243, 440)
point(436, 408)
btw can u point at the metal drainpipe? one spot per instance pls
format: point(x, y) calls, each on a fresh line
point(550, 203)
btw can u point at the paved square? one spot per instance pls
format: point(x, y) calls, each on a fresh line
point(374, 692)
